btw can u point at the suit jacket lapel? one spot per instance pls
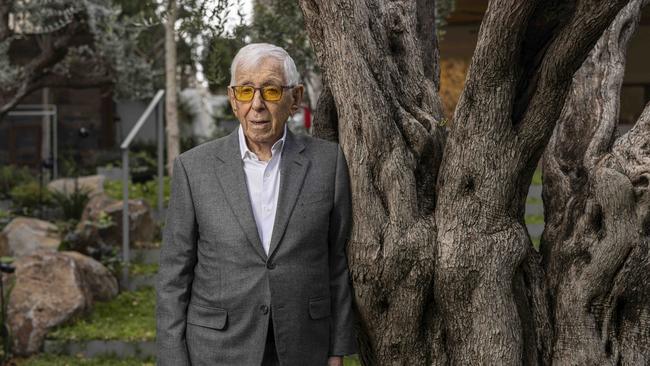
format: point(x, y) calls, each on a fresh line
point(293, 168)
point(231, 176)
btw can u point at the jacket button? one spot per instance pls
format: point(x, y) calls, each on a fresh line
point(270, 265)
point(264, 309)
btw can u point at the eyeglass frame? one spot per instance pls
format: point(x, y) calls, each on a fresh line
point(282, 87)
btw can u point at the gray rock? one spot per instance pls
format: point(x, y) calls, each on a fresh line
point(102, 209)
point(25, 235)
point(49, 289)
point(93, 183)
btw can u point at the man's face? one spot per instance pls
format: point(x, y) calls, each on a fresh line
point(263, 121)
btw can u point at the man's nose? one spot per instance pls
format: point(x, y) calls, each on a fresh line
point(258, 101)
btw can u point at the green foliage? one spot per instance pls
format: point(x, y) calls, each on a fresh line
point(56, 360)
point(5, 218)
point(72, 204)
point(281, 24)
point(537, 178)
point(535, 243)
point(534, 219)
point(107, 49)
point(27, 198)
point(444, 8)
point(219, 56)
point(128, 317)
point(143, 269)
point(147, 191)
point(142, 166)
point(534, 201)
point(12, 176)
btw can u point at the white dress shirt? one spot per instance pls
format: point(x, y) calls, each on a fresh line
point(263, 182)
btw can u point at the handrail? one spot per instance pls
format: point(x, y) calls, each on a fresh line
point(142, 120)
point(155, 102)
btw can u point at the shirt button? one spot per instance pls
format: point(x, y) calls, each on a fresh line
point(267, 174)
point(264, 309)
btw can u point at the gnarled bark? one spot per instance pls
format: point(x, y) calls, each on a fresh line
point(597, 204)
point(373, 62)
point(443, 267)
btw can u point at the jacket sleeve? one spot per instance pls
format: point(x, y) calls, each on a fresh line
point(177, 260)
point(342, 332)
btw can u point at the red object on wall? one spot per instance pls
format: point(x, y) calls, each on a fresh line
point(307, 117)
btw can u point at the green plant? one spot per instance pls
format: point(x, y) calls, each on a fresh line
point(12, 176)
point(29, 197)
point(129, 317)
point(72, 204)
point(537, 178)
point(5, 218)
point(104, 221)
point(534, 219)
point(147, 191)
point(142, 166)
point(60, 360)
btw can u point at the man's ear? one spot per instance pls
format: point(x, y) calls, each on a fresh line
point(233, 101)
point(298, 92)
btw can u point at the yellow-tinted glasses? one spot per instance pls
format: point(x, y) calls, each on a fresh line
point(270, 93)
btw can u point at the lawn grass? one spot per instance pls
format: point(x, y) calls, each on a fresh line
point(534, 201)
point(534, 219)
point(128, 317)
point(537, 178)
point(56, 360)
point(535, 243)
point(143, 269)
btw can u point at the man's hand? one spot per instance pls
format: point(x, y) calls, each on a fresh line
point(335, 361)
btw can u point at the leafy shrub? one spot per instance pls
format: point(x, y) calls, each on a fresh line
point(29, 197)
point(12, 176)
point(72, 204)
point(5, 218)
point(147, 191)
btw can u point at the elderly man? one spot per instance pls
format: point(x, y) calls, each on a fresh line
point(253, 268)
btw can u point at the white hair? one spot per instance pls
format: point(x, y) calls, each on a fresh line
point(252, 54)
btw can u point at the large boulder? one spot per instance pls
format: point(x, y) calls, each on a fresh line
point(25, 235)
point(49, 289)
point(100, 281)
point(94, 184)
point(101, 223)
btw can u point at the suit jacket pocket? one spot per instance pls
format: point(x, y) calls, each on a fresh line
point(209, 317)
point(313, 197)
point(319, 307)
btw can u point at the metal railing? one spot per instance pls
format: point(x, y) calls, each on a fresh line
point(157, 105)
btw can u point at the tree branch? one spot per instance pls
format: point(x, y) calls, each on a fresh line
point(5, 8)
point(52, 52)
point(564, 56)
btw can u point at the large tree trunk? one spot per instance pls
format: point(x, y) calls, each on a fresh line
point(388, 108)
point(445, 273)
point(171, 94)
point(597, 205)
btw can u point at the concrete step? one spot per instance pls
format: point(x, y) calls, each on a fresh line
point(136, 282)
point(534, 209)
point(535, 191)
point(98, 348)
point(535, 230)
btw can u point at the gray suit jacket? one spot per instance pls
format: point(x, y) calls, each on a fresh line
point(216, 285)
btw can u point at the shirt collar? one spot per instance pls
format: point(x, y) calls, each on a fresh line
point(243, 146)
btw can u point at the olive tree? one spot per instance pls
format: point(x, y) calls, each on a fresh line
point(442, 265)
